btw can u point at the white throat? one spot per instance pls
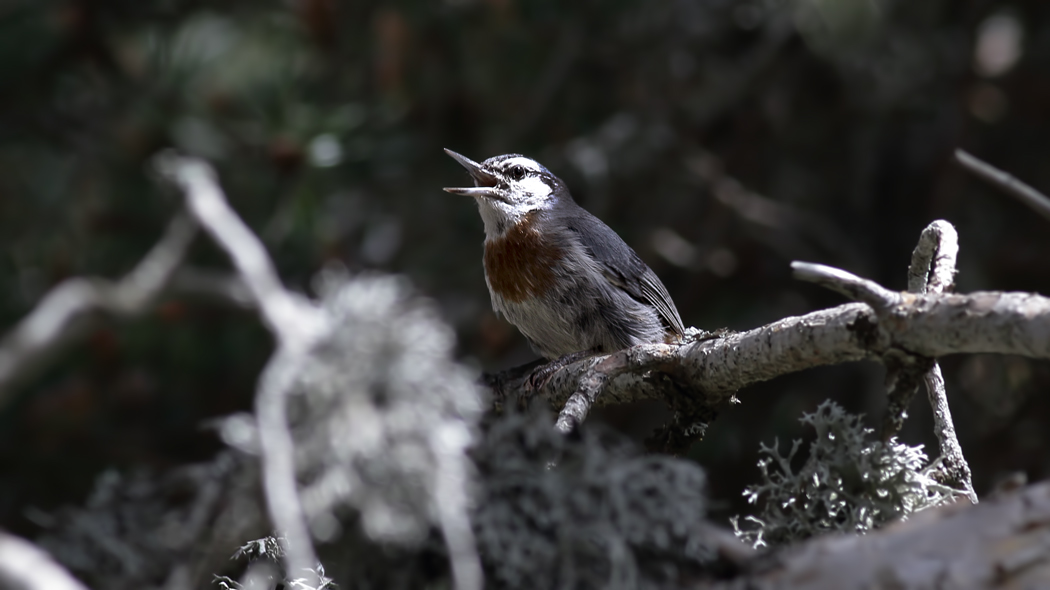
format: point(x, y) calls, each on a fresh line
point(525, 196)
point(499, 216)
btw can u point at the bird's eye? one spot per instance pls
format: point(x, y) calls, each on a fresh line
point(517, 172)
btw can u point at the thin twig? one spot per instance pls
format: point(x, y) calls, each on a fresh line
point(576, 408)
point(599, 372)
point(847, 284)
point(453, 507)
point(224, 287)
point(904, 373)
point(1006, 182)
point(278, 462)
point(932, 268)
point(932, 271)
point(953, 462)
point(787, 230)
point(57, 318)
point(289, 317)
point(296, 324)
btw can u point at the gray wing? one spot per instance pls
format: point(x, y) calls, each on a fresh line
point(622, 266)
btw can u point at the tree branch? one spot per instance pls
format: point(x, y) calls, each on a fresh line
point(847, 284)
point(710, 371)
point(1005, 182)
point(207, 284)
point(25, 566)
point(292, 319)
point(60, 315)
point(932, 271)
point(579, 403)
point(932, 268)
point(296, 324)
point(786, 230)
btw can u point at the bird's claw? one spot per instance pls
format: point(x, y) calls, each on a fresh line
point(542, 375)
point(539, 378)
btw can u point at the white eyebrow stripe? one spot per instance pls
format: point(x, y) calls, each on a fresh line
point(527, 163)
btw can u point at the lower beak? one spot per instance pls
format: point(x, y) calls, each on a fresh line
point(474, 191)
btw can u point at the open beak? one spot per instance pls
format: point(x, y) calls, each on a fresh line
point(484, 181)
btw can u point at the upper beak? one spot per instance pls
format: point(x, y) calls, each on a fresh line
point(484, 181)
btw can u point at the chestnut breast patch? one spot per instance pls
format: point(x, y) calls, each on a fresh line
point(519, 264)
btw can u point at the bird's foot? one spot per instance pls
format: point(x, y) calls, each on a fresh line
point(542, 374)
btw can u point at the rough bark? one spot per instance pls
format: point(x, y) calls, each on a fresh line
point(712, 370)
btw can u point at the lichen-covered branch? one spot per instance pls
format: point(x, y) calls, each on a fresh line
point(580, 402)
point(711, 370)
point(932, 270)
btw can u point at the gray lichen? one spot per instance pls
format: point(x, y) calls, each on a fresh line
point(383, 414)
point(587, 513)
point(848, 483)
point(147, 530)
point(267, 552)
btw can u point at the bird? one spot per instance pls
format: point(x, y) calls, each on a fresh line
point(566, 280)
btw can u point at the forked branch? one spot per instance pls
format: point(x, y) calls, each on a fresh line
point(708, 372)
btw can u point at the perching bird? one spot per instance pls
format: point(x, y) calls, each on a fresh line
point(559, 274)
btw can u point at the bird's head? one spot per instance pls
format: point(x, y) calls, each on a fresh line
point(508, 188)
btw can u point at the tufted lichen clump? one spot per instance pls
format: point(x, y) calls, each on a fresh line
point(587, 511)
point(848, 483)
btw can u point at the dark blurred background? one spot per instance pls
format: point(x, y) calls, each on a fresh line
point(722, 139)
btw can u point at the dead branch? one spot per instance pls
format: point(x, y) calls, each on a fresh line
point(1009, 184)
point(711, 371)
point(212, 285)
point(24, 566)
point(932, 270)
point(787, 230)
point(296, 324)
point(293, 320)
point(60, 316)
point(847, 284)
